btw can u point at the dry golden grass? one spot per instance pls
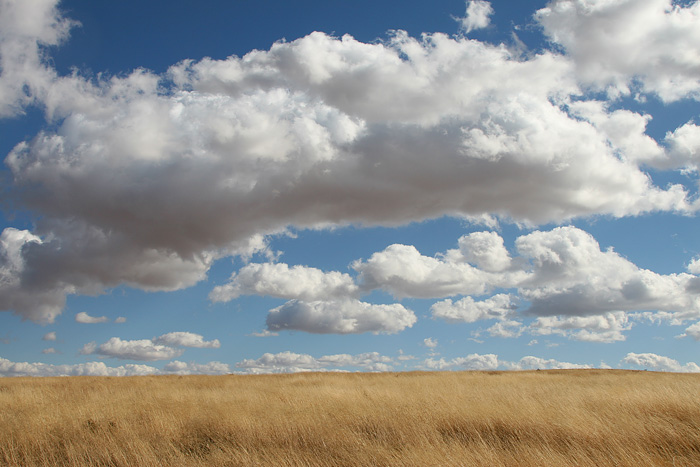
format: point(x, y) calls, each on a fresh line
point(557, 418)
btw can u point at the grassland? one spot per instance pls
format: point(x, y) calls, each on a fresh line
point(539, 418)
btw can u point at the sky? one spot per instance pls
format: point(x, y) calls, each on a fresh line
point(247, 187)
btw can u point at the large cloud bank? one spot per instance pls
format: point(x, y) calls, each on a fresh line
point(146, 180)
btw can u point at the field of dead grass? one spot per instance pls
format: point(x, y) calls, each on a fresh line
point(538, 418)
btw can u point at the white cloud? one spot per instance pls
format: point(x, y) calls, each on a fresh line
point(693, 331)
point(605, 328)
point(470, 362)
point(659, 363)
point(468, 310)
point(49, 336)
point(49, 350)
point(144, 350)
point(145, 186)
point(404, 272)
point(279, 280)
point(182, 368)
point(290, 362)
point(85, 318)
point(340, 317)
point(264, 333)
point(477, 15)
point(120, 320)
point(27, 27)
point(430, 342)
point(485, 250)
point(186, 339)
point(616, 42)
point(537, 363)
point(570, 275)
point(9, 368)
point(506, 329)
point(683, 147)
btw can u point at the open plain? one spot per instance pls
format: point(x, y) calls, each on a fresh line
point(533, 418)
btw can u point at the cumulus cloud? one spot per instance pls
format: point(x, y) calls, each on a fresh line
point(49, 336)
point(477, 15)
point(158, 348)
point(615, 43)
point(468, 310)
point(50, 350)
point(572, 276)
point(340, 317)
point(485, 250)
point(659, 363)
point(85, 318)
point(430, 342)
point(9, 368)
point(561, 278)
point(120, 320)
point(470, 362)
point(279, 280)
point(27, 28)
point(146, 180)
point(605, 328)
point(404, 272)
point(186, 339)
point(144, 350)
point(191, 368)
point(290, 362)
point(537, 363)
point(692, 331)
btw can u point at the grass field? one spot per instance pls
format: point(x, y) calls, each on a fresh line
point(557, 418)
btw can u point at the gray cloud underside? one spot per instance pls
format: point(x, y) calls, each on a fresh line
point(148, 179)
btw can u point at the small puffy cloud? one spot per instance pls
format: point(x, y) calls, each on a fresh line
point(279, 280)
point(9, 368)
point(340, 317)
point(470, 362)
point(694, 266)
point(430, 342)
point(264, 333)
point(49, 336)
point(477, 15)
point(50, 350)
point(537, 363)
point(507, 329)
point(186, 339)
point(84, 318)
point(659, 363)
point(290, 362)
point(191, 368)
point(120, 320)
point(468, 310)
point(144, 350)
point(693, 331)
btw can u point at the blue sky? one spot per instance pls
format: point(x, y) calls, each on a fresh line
point(252, 187)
